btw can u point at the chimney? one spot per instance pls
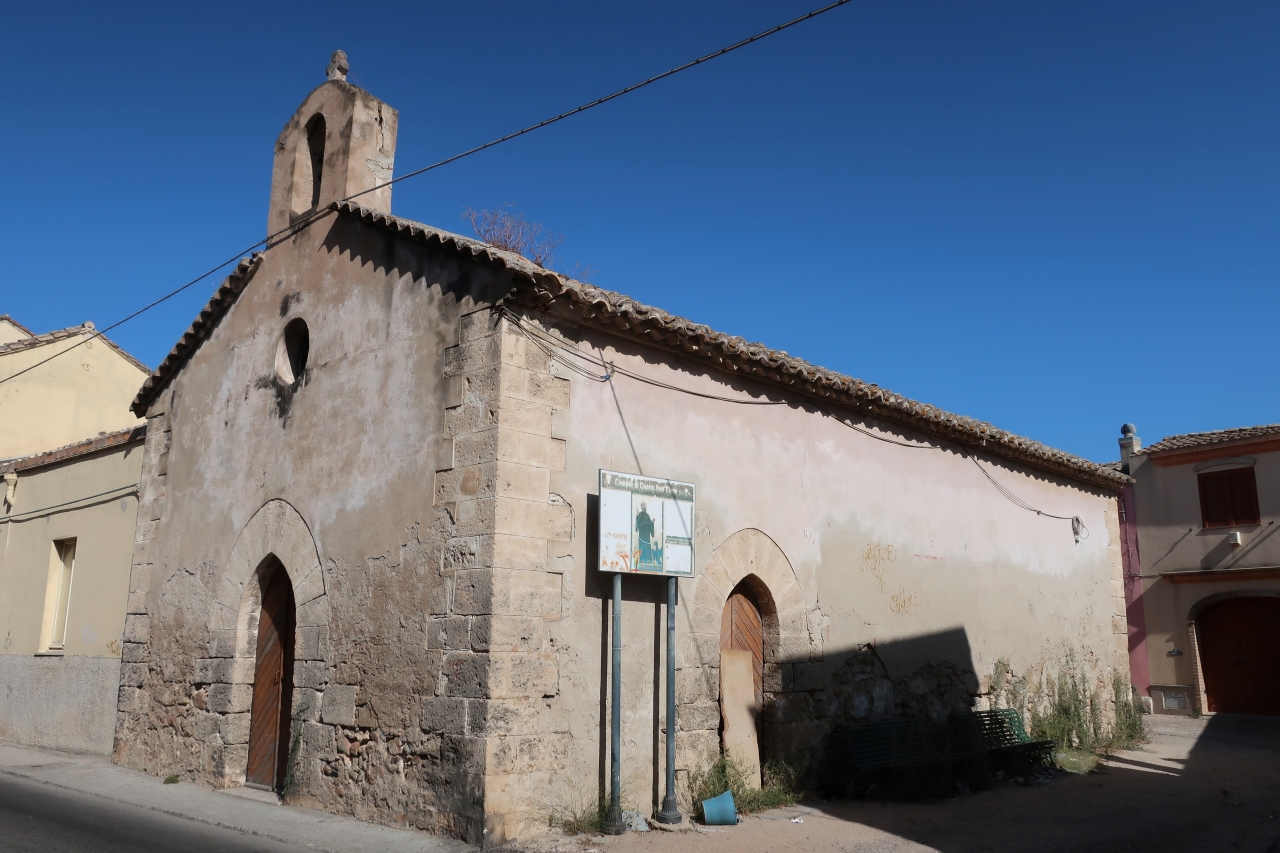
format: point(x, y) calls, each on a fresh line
point(1129, 444)
point(340, 142)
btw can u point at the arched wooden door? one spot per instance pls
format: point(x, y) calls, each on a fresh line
point(741, 628)
point(1239, 643)
point(272, 685)
point(742, 681)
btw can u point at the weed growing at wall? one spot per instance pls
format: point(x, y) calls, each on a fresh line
point(295, 741)
point(1070, 708)
point(579, 815)
point(777, 786)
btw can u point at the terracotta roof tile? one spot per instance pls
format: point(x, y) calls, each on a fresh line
point(62, 335)
point(16, 323)
point(70, 451)
point(1200, 439)
point(547, 291)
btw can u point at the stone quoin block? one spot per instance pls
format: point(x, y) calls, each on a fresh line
point(533, 519)
point(519, 351)
point(522, 674)
point(507, 633)
point(473, 354)
point(443, 714)
point(478, 324)
point(534, 387)
point(697, 716)
point(133, 653)
point(137, 629)
point(338, 705)
point(310, 673)
point(505, 717)
point(234, 728)
point(451, 633)
point(528, 449)
point(313, 643)
point(230, 698)
point(524, 416)
point(506, 592)
point(467, 674)
point(503, 551)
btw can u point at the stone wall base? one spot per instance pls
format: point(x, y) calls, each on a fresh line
point(66, 703)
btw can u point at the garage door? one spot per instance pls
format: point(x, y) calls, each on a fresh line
point(1240, 650)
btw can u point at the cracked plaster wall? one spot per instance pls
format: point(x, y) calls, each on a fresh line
point(908, 551)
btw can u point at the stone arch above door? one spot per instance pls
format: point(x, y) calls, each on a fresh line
point(276, 529)
point(275, 533)
point(752, 554)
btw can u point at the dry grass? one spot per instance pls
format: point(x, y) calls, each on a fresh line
point(777, 788)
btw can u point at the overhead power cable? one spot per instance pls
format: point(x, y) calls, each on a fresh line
point(557, 350)
point(307, 220)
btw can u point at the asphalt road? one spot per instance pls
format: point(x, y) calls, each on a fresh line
point(37, 817)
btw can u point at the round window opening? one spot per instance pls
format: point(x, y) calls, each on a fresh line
point(291, 354)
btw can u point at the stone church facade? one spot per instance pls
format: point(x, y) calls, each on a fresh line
point(409, 425)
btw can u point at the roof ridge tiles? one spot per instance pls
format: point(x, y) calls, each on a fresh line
point(544, 290)
point(1217, 436)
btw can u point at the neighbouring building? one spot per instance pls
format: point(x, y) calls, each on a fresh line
point(365, 561)
point(1202, 569)
point(70, 457)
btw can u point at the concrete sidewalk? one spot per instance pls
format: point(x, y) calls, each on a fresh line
point(241, 810)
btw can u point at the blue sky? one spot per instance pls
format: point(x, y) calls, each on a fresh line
point(1056, 217)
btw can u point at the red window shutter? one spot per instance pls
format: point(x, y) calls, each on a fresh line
point(1244, 496)
point(1215, 499)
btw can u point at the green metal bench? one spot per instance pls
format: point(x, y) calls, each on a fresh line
point(998, 734)
point(861, 752)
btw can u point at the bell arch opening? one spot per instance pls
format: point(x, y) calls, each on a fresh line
point(308, 171)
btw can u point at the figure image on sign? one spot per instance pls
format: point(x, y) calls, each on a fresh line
point(646, 525)
point(648, 556)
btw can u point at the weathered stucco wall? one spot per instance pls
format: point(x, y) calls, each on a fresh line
point(65, 699)
point(336, 471)
point(907, 550)
point(1170, 535)
point(69, 399)
point(1171, 538)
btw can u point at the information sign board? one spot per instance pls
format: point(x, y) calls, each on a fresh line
point(646, 525)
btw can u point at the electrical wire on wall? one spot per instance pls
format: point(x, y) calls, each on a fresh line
point(67, 506)
point(557, 350)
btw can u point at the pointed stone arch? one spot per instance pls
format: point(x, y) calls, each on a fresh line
point(751, 556)
point(275, 538)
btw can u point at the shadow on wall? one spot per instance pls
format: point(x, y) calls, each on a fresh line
point(1199, 784)
point(928, 676)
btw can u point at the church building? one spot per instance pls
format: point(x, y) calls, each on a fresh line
point(367, 573)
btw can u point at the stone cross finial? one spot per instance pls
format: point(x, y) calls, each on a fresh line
point(338, 66)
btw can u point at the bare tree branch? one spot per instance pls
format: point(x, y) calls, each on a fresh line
point(511, 232)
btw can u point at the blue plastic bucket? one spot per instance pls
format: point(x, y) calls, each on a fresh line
point(720, 811)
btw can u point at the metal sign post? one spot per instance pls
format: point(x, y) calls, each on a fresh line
point(670, 812)
point(616, 825)
point(646, 528)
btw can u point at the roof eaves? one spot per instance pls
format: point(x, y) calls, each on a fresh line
point(22, 328)
point(71, 451)
point(545, 290)
point(204, 324)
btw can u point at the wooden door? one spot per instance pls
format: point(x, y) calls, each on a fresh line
point(740, 628)
point(272, 685)
point(1239, 643)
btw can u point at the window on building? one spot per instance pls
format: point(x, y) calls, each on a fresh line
point(61, 568)
point(1229, 498)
